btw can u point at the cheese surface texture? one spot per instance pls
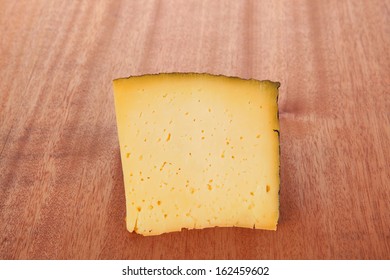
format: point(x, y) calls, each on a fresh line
point(198, 151)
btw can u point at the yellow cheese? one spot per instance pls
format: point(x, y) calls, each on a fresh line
point(198, 151)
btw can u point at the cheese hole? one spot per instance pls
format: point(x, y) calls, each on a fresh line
point(252, 193)
point(267, 188)
point(139, 209)
point(209, 187)
point(169, 137)
point(158, 202)
point(258, 136)
point(128, 155)
point(165, 216)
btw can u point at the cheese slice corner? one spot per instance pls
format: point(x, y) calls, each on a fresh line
point(198, 151)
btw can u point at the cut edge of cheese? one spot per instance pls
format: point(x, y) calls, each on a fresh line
point(193, 154)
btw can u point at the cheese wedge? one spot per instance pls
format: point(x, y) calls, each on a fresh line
point(198, 151)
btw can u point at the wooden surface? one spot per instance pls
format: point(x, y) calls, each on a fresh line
point(61, 186)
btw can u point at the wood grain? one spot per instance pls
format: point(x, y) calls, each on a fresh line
point(61, 186)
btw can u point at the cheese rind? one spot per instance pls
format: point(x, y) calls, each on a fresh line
point(198, 151)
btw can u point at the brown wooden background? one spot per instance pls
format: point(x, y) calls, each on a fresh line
point(61, 188)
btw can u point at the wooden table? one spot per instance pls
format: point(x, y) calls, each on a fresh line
point(61, 186)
